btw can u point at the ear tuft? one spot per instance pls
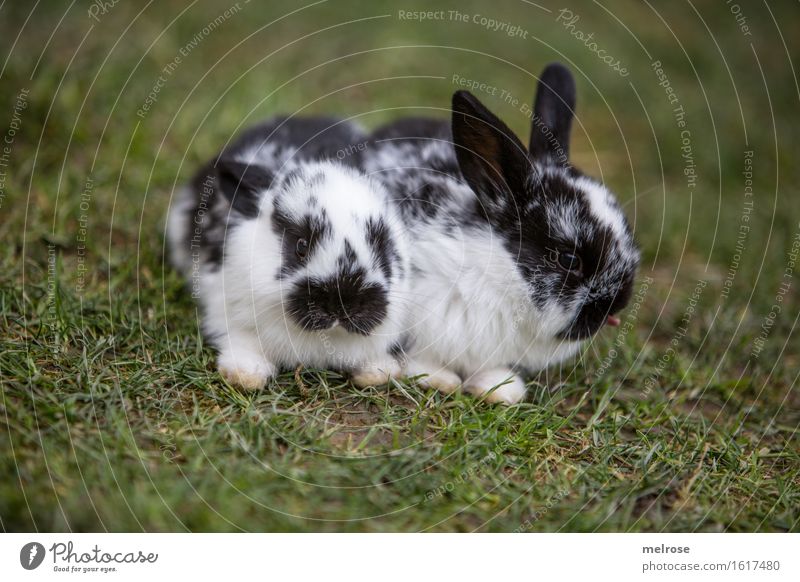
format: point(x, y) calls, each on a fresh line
point(553, 111)
point(492, 159)
point(242, 184)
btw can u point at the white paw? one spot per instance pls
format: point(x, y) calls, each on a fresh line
point(510, 387)
point(433, 376)
point(248, 371)
point(376, 374)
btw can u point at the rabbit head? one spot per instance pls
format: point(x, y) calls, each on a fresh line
point(569, 238)
point(334, 252)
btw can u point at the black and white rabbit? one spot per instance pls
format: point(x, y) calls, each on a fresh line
point(294, 257)
point(517, 257)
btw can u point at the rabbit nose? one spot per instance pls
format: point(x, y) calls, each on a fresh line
point(357, 306)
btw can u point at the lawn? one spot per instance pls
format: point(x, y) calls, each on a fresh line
point(112, 415)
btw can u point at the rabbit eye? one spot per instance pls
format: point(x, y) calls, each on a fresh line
point(302, 248)
point(569, 262)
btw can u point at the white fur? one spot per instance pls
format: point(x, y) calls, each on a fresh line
point(433, 376)
point(177, 230)
point(243, 301)
point(472, 312)
point(499, 385)
point(474, 318)
point(603, 205)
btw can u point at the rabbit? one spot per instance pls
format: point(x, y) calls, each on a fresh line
point(295, 256)
point(517, 257)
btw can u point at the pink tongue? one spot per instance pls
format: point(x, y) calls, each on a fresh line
point(613, 321)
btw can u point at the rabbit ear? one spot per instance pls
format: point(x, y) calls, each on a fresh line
point(553, 111)
point(492, 159)
point(243, 184)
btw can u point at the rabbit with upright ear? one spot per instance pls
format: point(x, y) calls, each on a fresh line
point(295, 258)
point(517, 257)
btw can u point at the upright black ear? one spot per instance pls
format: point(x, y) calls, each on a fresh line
point(242, 184)
point(553, 111)
point(492, 159)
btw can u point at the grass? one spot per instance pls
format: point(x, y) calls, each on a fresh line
point(113, 418)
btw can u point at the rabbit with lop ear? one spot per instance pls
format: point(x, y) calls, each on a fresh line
point(294, 257)
point(517, 257)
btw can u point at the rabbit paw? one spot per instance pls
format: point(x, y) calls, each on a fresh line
point(376, 374)
point(510, 387)
point(246, 370)
point(433, 376)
